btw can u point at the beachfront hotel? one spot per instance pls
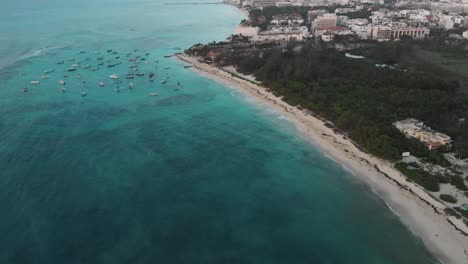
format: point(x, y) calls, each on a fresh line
point(416, 129)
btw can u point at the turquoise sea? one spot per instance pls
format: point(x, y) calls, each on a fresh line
point(194, 175)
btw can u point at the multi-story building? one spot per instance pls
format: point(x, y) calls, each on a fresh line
point(324, 21)
point(414, 32)
point(361, 31)
point(416, 129)
point(313, 14)
point(379, 32)
point(287, 19)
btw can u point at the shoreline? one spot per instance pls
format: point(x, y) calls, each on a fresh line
point(445, 236)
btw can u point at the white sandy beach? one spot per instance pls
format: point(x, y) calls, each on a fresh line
point(445, 236)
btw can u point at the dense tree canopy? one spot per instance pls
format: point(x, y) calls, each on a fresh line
point(363, 99)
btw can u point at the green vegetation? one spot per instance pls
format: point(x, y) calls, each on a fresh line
point(442, 179)
point(448, 198)
point(452, 212)
point(464, 213)
point(363, 13)
point(458, 182)
point(421, 177)
point(413, 164)
point(364, 100)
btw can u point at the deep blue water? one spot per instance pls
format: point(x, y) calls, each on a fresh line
point(195, 175)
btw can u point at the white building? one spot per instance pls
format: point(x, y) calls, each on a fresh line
point(465, 34)
point(284, 34)
point(361, 31)
point(414, 32)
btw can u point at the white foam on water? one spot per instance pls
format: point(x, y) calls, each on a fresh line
point(330, 157)
point(39, 51)
point(33, 53)
point(394, 212)
point(346, 168)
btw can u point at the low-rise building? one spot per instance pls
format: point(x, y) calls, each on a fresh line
point(328, 36)
point(287, 19)
point(313, 14)
point(333, 30)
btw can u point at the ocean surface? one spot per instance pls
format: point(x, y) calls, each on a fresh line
point(197, 174)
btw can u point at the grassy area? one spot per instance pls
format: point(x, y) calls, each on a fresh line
point(456, 63)
point(448, 198)
point(464, 213)
point(419, 176)
point(458, 182)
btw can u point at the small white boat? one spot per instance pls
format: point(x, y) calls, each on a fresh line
point(131, 85)
point(83, 94)
point(24, 90)
point(114, 76)
point(117, 90)
point(163, 81)
point(62, 82)
point(48, 71)
point(35, 82)
point(75, 65)
point(101, 84)
point(153, 94)
point(63, 89)
point(45, 77)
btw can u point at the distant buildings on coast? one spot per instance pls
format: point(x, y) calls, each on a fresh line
point(408, 18)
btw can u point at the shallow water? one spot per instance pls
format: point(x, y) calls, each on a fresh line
point(198, 175)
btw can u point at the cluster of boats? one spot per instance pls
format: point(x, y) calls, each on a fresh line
point(113, 59)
